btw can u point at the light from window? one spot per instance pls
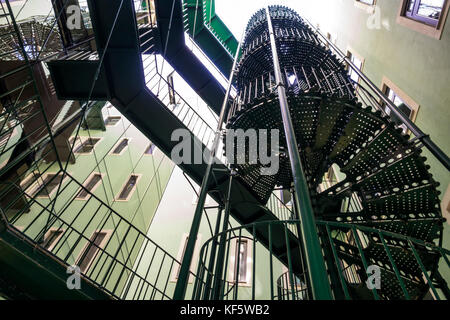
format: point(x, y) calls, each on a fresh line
point(90, 252)
point(112, 120)
point(182, 256)
point(369, 2)
point(128, 188)
point(87, 146)
point(426, 11)
point(90, 185)
point(358, 63)
point(401, 105)
point(121, 146)
point(241, 257)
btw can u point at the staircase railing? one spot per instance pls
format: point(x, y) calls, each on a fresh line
point(126, 264)
point(370, 93)
point(258, 267)
point(350, 248)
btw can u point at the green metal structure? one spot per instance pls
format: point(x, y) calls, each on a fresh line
point(384, 214)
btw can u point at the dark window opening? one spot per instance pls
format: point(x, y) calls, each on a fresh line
point(128, 188)
point(48, 185)
point(87, 146)
point(89, 253)
point(241, 257)
point(121, 146)
point(52, 238)
point(92, 183)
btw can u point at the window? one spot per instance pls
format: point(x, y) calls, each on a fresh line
point(92, 182)
point(41, 186)
point(445, 205)
point(241, 250)
point(358, 61)
point(426, 11)
point(402, 101)
point(286, 198)
point(86, 146)
point(96, 242)
point(181, 251)
point(240, 262)
point(365, 2)
point(120, 146)
point(112, 120)
point(128, 188)
point(149, 149)
point(172, 97)
point(52, 237)
point(425, 16)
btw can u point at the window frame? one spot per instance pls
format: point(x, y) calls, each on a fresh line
point(365, 6)
point(420, 26)
point(111, 153)
point(180, 255)
point(79, 143)
point(352, 52)
point(33, 187)
point(112, 125)
point(414, 106)
point(47, 234)
point(86, 245)
point(233, 262)
point(445, 204)
point(86, 181)
point(149, 146)
point(132, 191)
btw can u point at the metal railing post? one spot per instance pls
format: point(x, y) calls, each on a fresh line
point(421, 136)
point(314, 258)
point(180, 289)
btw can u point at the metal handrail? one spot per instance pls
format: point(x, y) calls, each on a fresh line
point(423, 137)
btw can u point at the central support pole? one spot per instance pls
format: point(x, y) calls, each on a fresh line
point(314, 258)
point(180, 289)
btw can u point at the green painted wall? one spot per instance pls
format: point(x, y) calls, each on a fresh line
point(85, 216)
point(416, 63)
point(173, 219)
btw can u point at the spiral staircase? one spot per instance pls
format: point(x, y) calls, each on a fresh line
point(384, 213)
point(387, 185)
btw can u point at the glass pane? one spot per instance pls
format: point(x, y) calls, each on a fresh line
point(96, 239)
point(90, 185)
point(410, 6)
point(48, 186)
point(431, 8)
point(50, 240)
point(242, 252)
point(150, 149)
point(87, 146)
point(131, 183)
point(122, 145)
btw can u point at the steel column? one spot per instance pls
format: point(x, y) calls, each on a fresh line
point(180, 289)
point(314, 258)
